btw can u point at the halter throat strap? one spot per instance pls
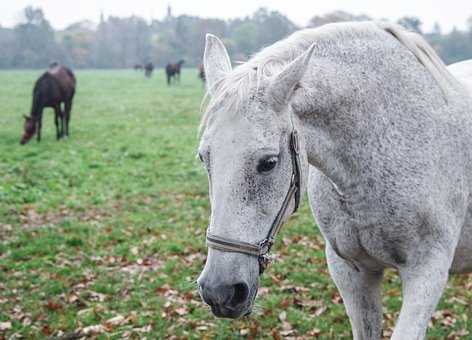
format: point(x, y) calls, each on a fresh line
point(261, 249)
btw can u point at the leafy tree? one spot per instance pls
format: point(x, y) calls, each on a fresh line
point(35, 45)
point(77, 42)
point(456, 46)
point(122, 42)
point(263, 28)
point(244, 36)
point(8, 47)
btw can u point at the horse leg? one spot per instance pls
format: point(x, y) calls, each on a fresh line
point(62, 108)
point(67, 111)
point(423, 284)
point(57, 114)
point(40, 123)
point(361, 293)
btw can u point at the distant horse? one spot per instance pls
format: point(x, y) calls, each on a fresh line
point(138, 67)
point(201, 72)
point(148, 69)
point(54, 87)
point(173, 70)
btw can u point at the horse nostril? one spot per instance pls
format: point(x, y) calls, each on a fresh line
point(240, 293)
point(229, 296)
point(208, 293)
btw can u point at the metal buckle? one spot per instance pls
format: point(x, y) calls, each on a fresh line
point(265, 245)
point(264, 258)
point(264, 261)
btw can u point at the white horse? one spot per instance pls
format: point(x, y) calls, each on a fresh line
point(367, 118)
point(463, 72)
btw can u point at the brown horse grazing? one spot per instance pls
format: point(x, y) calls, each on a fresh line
point(55, 86)
point(148, 69)
point(201, 72)
point(173, 70)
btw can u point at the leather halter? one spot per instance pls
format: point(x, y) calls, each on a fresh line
point(261, 249)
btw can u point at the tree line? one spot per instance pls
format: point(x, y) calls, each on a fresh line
point(117, 42)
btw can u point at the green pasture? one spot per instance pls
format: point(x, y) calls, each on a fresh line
point(102, 234)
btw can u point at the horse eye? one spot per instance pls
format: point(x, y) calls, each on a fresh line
point(267, 164)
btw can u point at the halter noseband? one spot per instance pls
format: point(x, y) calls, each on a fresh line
point(261, 249)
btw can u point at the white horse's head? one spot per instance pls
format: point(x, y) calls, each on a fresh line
point(245, 147)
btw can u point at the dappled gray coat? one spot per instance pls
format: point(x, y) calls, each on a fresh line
point(386, 135)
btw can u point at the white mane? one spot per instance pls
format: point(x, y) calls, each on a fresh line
point(236, 86)
point(425, 55)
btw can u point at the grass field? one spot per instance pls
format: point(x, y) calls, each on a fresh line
point(102, 235)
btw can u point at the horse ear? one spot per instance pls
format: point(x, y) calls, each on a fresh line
point(215, 61)
point(285, 83)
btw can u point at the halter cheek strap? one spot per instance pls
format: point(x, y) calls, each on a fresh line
point(261, 249)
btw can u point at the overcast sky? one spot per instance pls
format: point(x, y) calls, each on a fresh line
point(60, 13)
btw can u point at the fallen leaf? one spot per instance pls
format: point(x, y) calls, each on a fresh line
point(46, 330)
point(182, 311)
point(283, 316)
point(94, 329)
point(276, 335)
point(285, 303)
point(336, 299)
point(115, 321)
point(53, 305)
point(314, 332)
point(5, 325)
point(286, 327)
point(244, 332)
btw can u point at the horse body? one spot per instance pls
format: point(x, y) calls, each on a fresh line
point(173, 71)
point(403, 173)
point(148, 69)
point(55, 87)
point(463, 256)
point(385, 134)
point(463, 71)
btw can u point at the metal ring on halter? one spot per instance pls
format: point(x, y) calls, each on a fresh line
point(261, 249)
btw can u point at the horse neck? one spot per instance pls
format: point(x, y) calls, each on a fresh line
point(355, 92)
point(37, 106)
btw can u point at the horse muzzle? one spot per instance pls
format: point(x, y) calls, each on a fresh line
point(227, 300)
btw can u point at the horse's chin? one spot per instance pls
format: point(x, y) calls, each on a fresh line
point(25, 138)
point(229, 313)
point(244, 310)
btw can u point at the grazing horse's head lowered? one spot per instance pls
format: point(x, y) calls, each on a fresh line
point(29, 130)
point(251, 150)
